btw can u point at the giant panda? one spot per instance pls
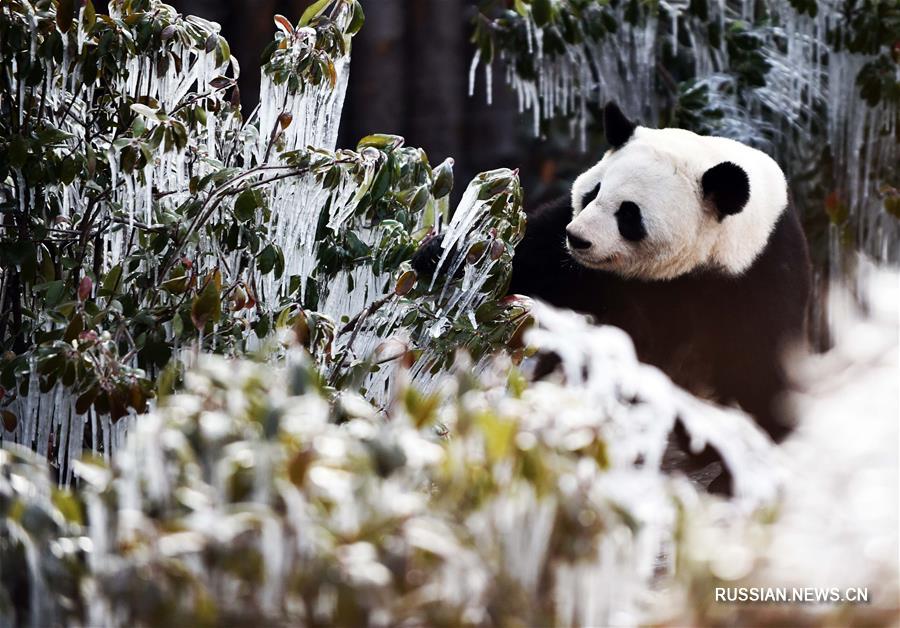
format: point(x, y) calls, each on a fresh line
point(689, 244)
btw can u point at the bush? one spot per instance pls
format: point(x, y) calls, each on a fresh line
point(146, 218)
point(256, 495)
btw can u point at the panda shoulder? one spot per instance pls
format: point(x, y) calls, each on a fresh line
point(556, 210)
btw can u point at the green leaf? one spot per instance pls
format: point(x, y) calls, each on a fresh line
point(65, 12)
point(128, 159)
point(313, 10)
point(381, 183)
point(69, 170)
point(51, 135)
point(265, 261)
point(54, 292)
point(356, 22)
point(494, 187)
point(419, 199)
point(541, 12)
point(247, 203)
point(443, 178)
point(18, 151)
point(144, 110)
point(223, 52)
point(68, 505)
point(89, 17)
point(892, 205)
point(422, 408)
point(75, 327)
point(111, 281)
point(206, 306)
point(279, 262)
point(476, 252)
point(355, 245)
point(381, 141)
point(262, 326)
point(405, 283)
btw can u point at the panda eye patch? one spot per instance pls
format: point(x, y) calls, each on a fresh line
point(630, 222)
point(590, 196)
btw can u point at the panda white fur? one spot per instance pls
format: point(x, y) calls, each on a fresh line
point(689, 244)
point(661, 171)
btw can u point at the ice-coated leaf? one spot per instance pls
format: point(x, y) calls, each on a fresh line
point(405, 283)
point(314, 10)
point(247, 203)
point(265, 261)
point(65, 13)
point(144, 110)
point(381, 141)
point(206, 306)
point(211, 42)
point(284, 24)
point(443, 178)
point(541, 11)
point(10, 421)
point(221, 82)
point(359, 17)
point(85, 287)
point(111, 281)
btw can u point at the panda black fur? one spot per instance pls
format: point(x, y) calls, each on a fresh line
point(689, 245)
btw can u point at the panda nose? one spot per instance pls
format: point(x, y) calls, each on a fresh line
point(576, 242)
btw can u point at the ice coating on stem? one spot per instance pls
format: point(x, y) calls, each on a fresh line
point(297, 119)
point(48, 419)
point(591, 71)
point(451, 299)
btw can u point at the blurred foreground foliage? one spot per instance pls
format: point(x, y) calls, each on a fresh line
point(254, 495)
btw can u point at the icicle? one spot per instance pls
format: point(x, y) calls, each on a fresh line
point(476, 58)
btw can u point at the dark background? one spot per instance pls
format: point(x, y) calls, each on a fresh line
point(409, 76)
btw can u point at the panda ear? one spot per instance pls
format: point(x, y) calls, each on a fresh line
point(727, 187)
point(618, 128)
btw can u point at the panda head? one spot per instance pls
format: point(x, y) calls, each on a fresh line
point(665, 202)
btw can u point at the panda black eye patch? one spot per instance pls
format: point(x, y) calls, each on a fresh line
point(590, 196)
point(630, 222)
